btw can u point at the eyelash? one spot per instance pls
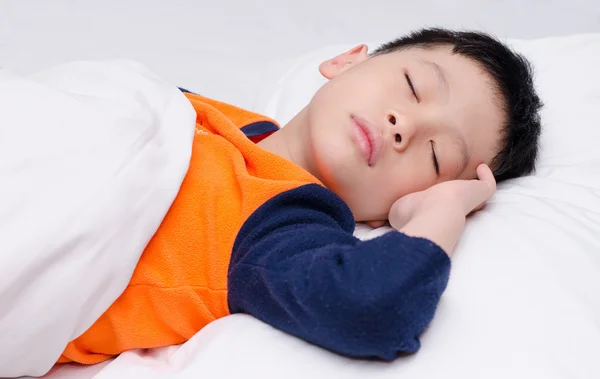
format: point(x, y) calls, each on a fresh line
point(434, 159)
point(412, 88)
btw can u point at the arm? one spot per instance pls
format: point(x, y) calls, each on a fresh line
point(296, 266)
point(437, 224)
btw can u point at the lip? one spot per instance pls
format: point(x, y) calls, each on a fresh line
point(367, 139)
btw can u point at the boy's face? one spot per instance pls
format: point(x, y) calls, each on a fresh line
point(373, 140)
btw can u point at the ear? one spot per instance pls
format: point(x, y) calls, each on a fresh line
point(335, 66)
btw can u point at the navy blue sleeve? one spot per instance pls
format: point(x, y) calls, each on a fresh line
point(296, 266)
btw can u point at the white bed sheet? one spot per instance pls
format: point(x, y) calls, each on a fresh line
point(223, 49)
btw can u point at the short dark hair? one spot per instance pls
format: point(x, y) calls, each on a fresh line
point(513, 76)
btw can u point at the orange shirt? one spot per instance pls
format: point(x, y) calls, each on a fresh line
point(180, 282)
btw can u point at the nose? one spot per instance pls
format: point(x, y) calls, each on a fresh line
point(401, 130)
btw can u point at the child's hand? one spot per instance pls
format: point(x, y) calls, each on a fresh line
point(461, 196)
point(438, 213)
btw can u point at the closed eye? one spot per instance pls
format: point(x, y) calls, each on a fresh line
point(434, 159)
point(412, 88)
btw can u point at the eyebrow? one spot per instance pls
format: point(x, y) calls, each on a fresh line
point(440, 73)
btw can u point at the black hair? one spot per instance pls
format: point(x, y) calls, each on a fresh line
point(513, 77)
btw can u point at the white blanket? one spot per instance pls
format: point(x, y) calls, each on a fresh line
point(91, 157)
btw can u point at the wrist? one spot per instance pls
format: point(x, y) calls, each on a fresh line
point(442, 226)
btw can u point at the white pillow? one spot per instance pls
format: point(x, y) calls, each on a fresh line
point(523, 296)
point(91, 157)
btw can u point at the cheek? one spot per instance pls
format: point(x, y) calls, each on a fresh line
point(371, 195)
point(400, 180)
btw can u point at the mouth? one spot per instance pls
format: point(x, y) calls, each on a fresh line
point(367, 140)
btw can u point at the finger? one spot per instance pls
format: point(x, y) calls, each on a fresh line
point(480, 190)
point(477, 209)
point(487, 176)
point(375, 224)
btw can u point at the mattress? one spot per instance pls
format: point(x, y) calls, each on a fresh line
point(252, 54)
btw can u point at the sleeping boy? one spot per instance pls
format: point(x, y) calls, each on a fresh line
point(416, 133)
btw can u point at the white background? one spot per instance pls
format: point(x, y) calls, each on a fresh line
point(224, 48)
